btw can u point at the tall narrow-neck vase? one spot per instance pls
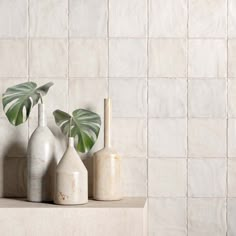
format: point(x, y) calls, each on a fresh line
point(41, 161)
point(107, 165)
point(71, 186)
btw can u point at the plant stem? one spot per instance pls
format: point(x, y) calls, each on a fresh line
point(70, 127)
point(41, 98)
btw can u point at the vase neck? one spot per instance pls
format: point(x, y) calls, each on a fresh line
point(42, 120)
point(71, 142)
point(107, 123)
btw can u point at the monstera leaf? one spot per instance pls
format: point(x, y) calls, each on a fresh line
point(83, 125)
point(19, 100)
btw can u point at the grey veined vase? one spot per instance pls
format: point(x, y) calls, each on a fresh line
point(41, 161)
point(71, 185)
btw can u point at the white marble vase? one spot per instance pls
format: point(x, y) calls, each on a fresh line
point(41, 161)
point(71, 186)
point(107, 165)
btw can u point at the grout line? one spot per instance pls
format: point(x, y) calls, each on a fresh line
point(120, 77)
point(147, 114)
point(68, 47)
point(27, 56)
point(227, 121)
point(119, 38)
point(187, 97)
point(108, 48)
point(184, 197)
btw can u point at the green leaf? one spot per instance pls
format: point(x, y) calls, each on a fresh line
point(83, 125)
point(19, 100)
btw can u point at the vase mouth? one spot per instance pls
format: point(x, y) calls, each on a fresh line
point(41, 105)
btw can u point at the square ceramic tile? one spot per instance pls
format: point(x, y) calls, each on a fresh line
point(168, 18)
point(167, 177)
point(231, 217)
point(5, 85)
point(167, 216)
point(207, 18)
point(232, 98)
point(167, 137)
point(207, 98)
point(129, 97)
point(127, 58)
point(42, 13)
point(87, 94)
point(232, 58)
point(13, 18)
point(127, 18)
point(134, 177)
point(59, 90)
point(13, 58)
point(206, 217)
point(15, 139)
point(48, 58)
point(231, 137)
point(231, 18)
point(207, 177)
point(167, 58)
point(88, 58)
point(88, 18)
point(167, 97)
point(129, 136)
point(232, 177)
point(207, 58)
point(207, 137)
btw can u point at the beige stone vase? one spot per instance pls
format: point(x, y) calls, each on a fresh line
point(71, 181)
point(41, 161)
point(107, 165)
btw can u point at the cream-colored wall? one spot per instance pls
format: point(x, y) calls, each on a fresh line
point(170, 68)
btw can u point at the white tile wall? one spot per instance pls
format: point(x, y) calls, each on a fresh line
point(207, 58)
point(167, 177)
point(166, 133)
point(13, 18)
point(207, 18)
point(170, 68)
point(13, 57)
point(127, 18)
point(127, 58)
point(168, 18)
point(207, 98)
point(167, 216)
point(207, 177)
point(207, 138)
point(167, 58)
point(42, 13)
point(88, 18)
point(88, 58)
point(206, 216)
point(167, 97)
point(48, 58)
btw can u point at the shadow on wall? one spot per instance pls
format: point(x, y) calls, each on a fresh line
point(14, 169)
point(88, 162)
point(14, 172)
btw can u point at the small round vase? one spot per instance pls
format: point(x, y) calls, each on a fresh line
point(71, 184)
point(41, 161)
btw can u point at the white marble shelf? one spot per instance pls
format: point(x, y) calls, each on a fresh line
point(127, 217)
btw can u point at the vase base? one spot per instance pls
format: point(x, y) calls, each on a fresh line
point(70, 204)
